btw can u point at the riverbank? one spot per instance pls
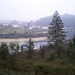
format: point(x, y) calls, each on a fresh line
point(23, 39)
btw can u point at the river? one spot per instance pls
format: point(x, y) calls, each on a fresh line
point(38, 41)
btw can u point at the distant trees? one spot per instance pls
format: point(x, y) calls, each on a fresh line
point(56, 28)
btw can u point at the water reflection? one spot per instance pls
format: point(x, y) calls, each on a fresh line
point(37, 44)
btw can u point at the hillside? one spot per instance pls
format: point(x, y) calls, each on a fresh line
point(68, 20)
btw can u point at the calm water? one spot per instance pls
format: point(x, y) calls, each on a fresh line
point(36, 44)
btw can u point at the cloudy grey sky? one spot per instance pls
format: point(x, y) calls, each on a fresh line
point(26, 10)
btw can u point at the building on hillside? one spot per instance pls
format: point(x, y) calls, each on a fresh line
point(15, 26)
point(5, 24)
point(44, 27)
point(34, 26)
point(26, 27)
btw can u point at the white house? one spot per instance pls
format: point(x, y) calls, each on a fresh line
point(15, 26)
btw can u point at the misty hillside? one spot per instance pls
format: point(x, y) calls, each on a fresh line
point(68, 20)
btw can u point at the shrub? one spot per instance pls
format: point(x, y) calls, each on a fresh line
point(4, 52)
point(42, 51)
point(30, 49)
point(52, 55)
point(47, 70)
point(58, 46)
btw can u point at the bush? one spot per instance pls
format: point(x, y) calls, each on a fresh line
point(58, 46)
point(23, 65)
point(47, 70)
point(52, 55)
point(30, 50)
point(68, 50)
point(42, 51)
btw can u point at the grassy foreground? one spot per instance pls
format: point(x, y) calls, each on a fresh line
point(37, 66)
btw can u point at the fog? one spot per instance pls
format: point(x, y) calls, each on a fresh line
point(26, 10)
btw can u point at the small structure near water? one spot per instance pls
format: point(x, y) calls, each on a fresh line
point(24, 47)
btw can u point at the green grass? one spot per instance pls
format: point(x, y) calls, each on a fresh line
point(11, 30)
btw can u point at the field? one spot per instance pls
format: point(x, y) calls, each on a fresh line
point(19, 30)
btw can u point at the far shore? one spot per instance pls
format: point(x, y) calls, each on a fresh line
point(22, 39)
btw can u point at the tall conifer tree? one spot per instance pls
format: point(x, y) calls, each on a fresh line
point(56, 28)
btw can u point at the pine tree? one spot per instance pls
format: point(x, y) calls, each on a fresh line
point(30, 48)
point(56, 28)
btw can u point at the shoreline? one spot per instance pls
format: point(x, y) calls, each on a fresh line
point(22, 39)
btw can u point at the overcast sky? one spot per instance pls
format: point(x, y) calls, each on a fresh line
point(26, 10)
